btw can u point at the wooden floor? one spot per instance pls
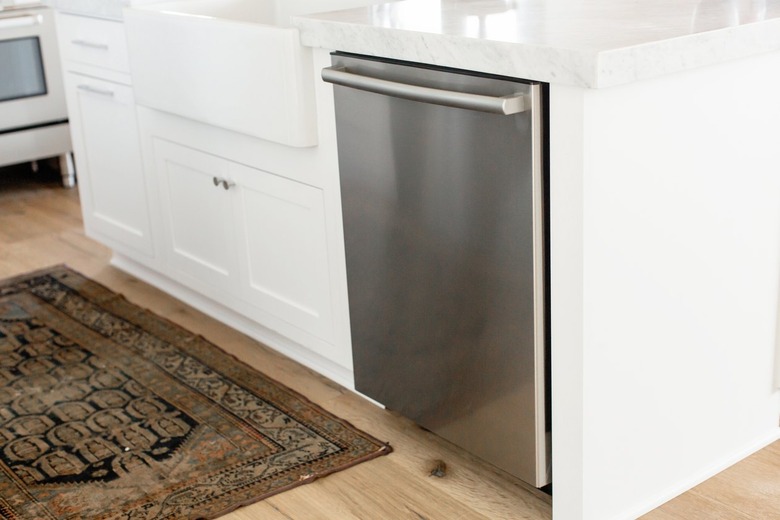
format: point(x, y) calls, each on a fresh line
point(40, 225)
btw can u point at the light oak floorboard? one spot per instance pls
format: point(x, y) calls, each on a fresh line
point(691, 506)
point(40, 225)
point(747, 490)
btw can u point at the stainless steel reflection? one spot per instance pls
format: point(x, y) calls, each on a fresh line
point(444, 233)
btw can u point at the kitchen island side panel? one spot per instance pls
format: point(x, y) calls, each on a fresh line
point(665, 258)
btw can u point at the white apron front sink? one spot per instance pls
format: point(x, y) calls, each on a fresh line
point(234, 64)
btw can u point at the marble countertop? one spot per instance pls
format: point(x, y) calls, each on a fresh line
point(586, 43)
point(109, 9)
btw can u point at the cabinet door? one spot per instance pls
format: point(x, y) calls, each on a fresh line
point(282, 245)
point(199, 238)
point(108, 160)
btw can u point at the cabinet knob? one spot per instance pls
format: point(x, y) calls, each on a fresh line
point(224, 182)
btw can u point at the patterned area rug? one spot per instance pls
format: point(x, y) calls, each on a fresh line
point(108, 411)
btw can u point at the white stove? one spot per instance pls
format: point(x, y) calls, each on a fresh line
point(33, 114)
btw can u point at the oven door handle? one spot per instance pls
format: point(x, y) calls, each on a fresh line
point(505, 105)
point(22, 20)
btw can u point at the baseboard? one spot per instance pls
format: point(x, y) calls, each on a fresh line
point(231, 318)
point(708, 473)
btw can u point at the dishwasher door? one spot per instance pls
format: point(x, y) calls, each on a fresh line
point(444, 233)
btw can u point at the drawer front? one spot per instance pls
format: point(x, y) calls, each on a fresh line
point(95, 42)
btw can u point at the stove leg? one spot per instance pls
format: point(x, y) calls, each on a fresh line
point(67, 170)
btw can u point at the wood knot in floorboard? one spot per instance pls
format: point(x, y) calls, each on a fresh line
point(439, 469)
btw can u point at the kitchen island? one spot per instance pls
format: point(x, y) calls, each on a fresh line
point(664, 208)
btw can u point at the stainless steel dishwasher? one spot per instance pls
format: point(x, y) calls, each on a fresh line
point(443, 206)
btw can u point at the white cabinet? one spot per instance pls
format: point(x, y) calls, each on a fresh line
point(249, 239)
point(104, 130)
point(198, 245)
point(282, 245)
point(93, 42)
point(263, 255)
point(108, 158)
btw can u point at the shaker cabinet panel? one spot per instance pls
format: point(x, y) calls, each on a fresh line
point(283, 246)
point(197, 216)
point(108, 158)
point(250, 239)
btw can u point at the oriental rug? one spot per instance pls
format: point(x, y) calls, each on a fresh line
point(108, 411)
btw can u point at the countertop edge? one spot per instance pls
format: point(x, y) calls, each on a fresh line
point(646, 61)
point(569, 67)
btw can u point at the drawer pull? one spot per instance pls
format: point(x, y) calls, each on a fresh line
point(91, 45)
point(96, 90)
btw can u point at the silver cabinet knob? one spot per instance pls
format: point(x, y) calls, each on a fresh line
point(224, 182)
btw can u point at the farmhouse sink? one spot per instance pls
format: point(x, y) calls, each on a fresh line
point(235, 64)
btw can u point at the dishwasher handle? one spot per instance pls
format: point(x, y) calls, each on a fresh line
point(506, 105)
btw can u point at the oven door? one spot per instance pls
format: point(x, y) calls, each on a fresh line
point(31, 90)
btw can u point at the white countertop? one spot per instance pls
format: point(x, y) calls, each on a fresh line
point(109, 9)
point(595, 44)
